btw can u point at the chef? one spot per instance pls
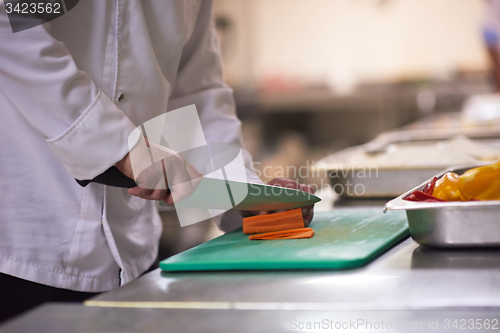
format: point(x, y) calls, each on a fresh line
point(71, 92)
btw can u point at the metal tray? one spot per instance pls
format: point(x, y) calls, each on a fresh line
point(378, 181)
point(451, 224)
point(388, 183)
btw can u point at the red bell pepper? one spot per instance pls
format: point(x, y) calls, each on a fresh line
point(429, 187)
point(421, 196)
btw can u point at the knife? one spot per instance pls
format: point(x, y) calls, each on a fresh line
point(227, 194)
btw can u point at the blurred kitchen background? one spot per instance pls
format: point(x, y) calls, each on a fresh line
point(312, 77)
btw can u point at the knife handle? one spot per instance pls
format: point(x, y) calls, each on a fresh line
point(110, 177)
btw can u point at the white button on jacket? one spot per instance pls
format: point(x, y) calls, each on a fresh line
point(71, 91)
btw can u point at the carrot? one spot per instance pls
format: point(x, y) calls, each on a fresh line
point(285, 234)
point(290, 219)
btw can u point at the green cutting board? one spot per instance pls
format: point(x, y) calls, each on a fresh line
point(343, 238)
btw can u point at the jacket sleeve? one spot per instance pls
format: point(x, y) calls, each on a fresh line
point(200, 81)
point(81, 125)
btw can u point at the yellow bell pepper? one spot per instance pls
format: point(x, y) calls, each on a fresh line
point(447, 188)
point(481, 183)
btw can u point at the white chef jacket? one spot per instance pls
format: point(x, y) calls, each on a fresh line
point(62, 118)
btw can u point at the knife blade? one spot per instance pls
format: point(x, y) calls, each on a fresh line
point(226, 194)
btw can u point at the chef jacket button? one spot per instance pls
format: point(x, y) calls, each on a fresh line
point(121, 97)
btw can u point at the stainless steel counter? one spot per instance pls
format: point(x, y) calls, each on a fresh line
point(406, 277)
point(408, 288)
point(408, 284)
point(59, 318)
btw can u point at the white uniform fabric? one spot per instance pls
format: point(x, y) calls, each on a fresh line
point(61, 119)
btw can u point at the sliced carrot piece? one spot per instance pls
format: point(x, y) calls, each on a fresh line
point(285, 234)
point(290, 219)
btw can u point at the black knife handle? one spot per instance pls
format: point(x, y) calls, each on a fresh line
point(110, 177)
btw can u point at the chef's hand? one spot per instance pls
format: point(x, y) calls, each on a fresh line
point(151, 178)
point(307, 212)
point(145, 192)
